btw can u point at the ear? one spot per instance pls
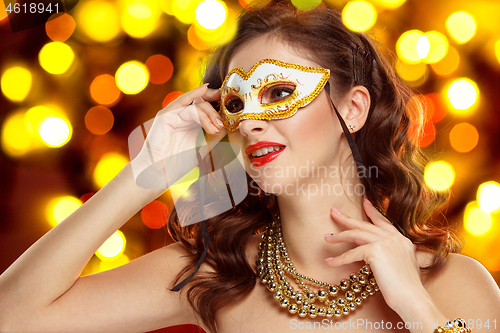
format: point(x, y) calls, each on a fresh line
point(356, 104)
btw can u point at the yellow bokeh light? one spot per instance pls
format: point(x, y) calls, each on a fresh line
point(306, 4)
point(488, 197)
point(211, 14)
point(98, 20)
point(132, 77)
point(388, 4)
point(16, 138)
point(415, 74)
point(55, 131)
point(181, 186)
point(439, 175)
point(476, 221)
point(56, 57)
point(106, 265)
point(16, 83)
point(497, 50)
point(423, 46)
point(3, 12)
point(462, 95)
point(184, 10)
point(438, 47)
point(60, 208)
point(448, 64)
point(140, 18)
point(113, 247)
point(108, 167)
point(463, 137)
point(35, 116)
point(359, 15)
point(407, 47)
point(461, 26)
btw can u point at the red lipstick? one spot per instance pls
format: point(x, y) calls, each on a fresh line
point(265, 159)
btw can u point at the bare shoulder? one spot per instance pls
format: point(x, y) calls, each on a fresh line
point(135, 297)
point(464, 288)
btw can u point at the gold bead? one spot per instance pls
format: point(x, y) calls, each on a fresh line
point(362, 279)
point(292, 308)
point(349, 295)
point(344, 284)
point(299, 299)
point(353, 277)
point(372, 281)
point(337, 313)
point(272, 286)
point(305, 305)
point(321, 311)
point(284, 302)
point(312, 314)
point(366, 270)
point(302, 312)
point(312, 308)
point(352, 306)
point(333, 290)
point(346, 310)
point(364, 294)
point(328, 313)
point(322, 295)
point(358, 301)
point(356, 287)
point(341, 301)
point(277, 294)
point(311, 296)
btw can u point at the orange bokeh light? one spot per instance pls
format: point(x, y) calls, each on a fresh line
point(170, 97)
point(195, 41)
point(160, 68)
point(104, 90)
point(448, 64)
point(155, 214)
point(99, 120)
point(61, 28)
point(438, 108)
point(464, 137)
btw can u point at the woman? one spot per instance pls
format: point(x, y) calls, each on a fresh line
point(327, 236)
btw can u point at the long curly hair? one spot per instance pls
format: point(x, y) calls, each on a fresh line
point(353, 59)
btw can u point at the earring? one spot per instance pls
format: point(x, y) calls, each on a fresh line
point(351, 127)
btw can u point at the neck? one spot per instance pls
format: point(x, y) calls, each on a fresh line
point(306, 218)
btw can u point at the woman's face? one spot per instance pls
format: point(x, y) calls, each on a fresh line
point(309, 139)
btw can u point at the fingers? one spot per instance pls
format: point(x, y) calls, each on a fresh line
point(356, 254)
point(352, 223)
point(357, 236)
point(188, 98)
point(376, 217)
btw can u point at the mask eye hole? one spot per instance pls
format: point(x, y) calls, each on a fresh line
point(233, 104)
point(277, 93)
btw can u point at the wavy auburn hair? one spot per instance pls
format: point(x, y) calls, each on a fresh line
point(395, 112)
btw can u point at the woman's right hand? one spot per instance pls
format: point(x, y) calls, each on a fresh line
point(169, 150)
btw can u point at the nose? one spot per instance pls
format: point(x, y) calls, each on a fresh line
point(249, 127)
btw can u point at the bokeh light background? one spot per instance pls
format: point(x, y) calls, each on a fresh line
point(73, 89)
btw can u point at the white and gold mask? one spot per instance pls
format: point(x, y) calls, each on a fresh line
point(271, 89)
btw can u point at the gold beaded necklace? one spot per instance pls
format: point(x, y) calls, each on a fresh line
point(272, 264)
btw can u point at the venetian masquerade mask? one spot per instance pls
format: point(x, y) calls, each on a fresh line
point(271, 89)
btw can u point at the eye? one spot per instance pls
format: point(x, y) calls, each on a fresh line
point(233, 104)
point(277, 93)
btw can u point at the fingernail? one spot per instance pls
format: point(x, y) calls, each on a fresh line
point(215, 128)
point(328, 235)
point(219, 122)
point(205, 84)
point(368, 202)
point(336, 211)
point(328, 259)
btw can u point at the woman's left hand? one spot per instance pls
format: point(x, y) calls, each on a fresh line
point(392, 256)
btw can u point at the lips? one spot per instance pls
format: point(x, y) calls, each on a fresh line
point(266, 158)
